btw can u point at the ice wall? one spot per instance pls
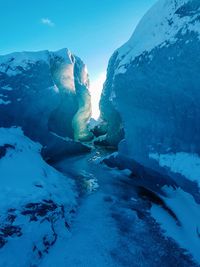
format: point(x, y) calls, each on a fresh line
point(43, 92)
point(153, 84)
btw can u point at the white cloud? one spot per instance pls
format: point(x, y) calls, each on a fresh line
point(47, 22)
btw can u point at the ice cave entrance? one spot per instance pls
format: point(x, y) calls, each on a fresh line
point(96, 86)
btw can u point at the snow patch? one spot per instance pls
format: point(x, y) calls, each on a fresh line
point(187, 211)
point(12, 64)
point(23, 167)
point(35, 201)
point(163, 19)
point(183, 163)
point(91, 185)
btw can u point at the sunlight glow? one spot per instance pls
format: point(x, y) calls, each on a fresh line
point(96, 87)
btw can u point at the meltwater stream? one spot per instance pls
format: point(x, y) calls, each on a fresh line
point(112, 225)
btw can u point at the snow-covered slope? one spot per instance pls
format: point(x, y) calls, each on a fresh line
point(161, 26)
point(185, 229)
point(44, 93)
point(153, 82)
point(36, 201)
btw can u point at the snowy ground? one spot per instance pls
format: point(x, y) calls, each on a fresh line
point(35, 201)
point(114, 225)
point(181, 201)
point(104, 218)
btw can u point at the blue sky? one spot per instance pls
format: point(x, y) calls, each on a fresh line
point(92, 29)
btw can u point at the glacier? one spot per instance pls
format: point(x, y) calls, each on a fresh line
point(150, 113)
point(134, 198)
point(150, 101)
point(82, 213)
point(46, 93)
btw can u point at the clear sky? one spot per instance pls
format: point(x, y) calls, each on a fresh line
point(92, 29)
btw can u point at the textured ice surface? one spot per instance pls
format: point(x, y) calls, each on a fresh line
point(45, 92)
point(152, 92)
point(156, 99)
point(160, 27)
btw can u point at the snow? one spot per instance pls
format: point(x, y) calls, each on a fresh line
point(90, 183)
point(88, 244)
point(23, 167)
point(106, 230)
point(17, 58)
point(157, 20)
point(105, 226)
point(10, 63)
point(188, 214)
point(61, 137)
point(26, 180)
point(183, 163)
point(113, 220)
point(65, 54)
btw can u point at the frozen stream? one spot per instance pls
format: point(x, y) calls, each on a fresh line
point(112, 225)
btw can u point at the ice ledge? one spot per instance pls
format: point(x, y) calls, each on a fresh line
point(186, 164)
